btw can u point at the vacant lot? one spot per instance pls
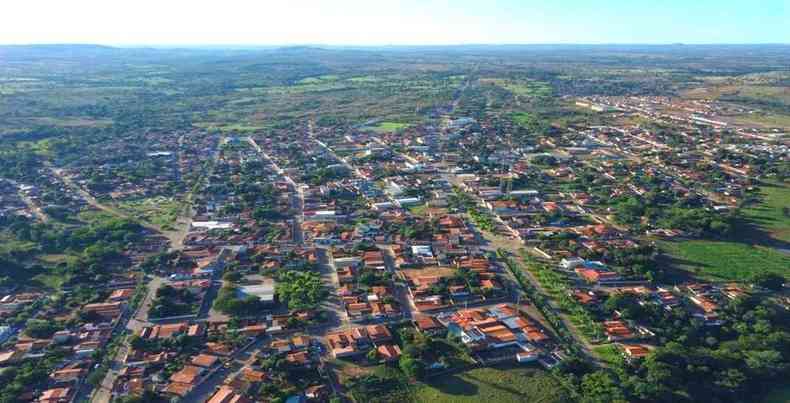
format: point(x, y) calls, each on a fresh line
point(385, 127)
point(523, 119)
point(517, 384)
point(728, 260)
point(609, 353)
point(723, 260)
point(771, 214)
point(766, 119)
point(160, 211)
point(522, 88)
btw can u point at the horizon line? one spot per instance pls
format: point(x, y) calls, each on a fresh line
point(394, 45)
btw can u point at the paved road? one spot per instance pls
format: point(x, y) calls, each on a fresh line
point(237, 361)
point(338, 319)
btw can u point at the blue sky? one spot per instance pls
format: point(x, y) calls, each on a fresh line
point(412, 22)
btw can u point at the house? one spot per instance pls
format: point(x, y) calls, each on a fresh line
point(68, 375)
point(585, 298)
point(163, 331)
point(348, 343)
point(571, 263)
point(187, 375)
point(204, 360)
point(56, 395)
point(107, 310)
point(226, 394)
point(178, 389)
point(299, 359)
point(252, 375)
point(253, 330)
point(378, 333)
point(300, 342)
point(121, 294)
point(388, 352)
point(597, 276)
point(428, 325)
point(373, 259)
point(634, 351)
point(316, 392)
point(617, 330)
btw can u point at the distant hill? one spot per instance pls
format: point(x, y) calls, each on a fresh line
point(56, 51)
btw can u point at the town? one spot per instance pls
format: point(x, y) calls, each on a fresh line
point(515, 229)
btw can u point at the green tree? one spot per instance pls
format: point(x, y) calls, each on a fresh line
point(600, 387)
point(412, 367)
point(768, 280)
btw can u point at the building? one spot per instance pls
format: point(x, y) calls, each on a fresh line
point(264, 291)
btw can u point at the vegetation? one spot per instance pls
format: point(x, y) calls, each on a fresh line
point(171, 302)
point(300, 290)
point(230, 301)
point(727, 260)
point(494, 385)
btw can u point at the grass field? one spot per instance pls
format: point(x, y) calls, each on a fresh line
point(499, 385)
point(769, 213)
point(731, 260)
point(230, 127)
point(723, 260)
point(385, 127)
point(609, 354)
point(523, 88)
point(523, 119)
point(51, 280)
point(764, 120)
point(159, 211)
point(420, 210)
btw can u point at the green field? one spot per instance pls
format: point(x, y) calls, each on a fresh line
point(385, 127)
point(519, 384)
point(769, 214)
point(523, 119)
point(752, 251)
point(319, 79)
point(609, 354)
point(523, 88)
point(52, 280)
point(161, 211)
point(723, 260)
point(230, 127)
point(764, 119)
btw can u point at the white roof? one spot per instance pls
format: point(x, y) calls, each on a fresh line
point(212, 224)
point(263, 291)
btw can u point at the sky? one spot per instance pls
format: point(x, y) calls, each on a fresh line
point(393, 22)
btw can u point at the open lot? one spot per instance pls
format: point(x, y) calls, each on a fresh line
point(771, 214)
point(723, 260)
point(384, 127)
point(503, 384)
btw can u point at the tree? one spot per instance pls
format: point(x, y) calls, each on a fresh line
point(768, 280)
point(412, 367)
point(232, 276)
point(147, 397)
point(600, 387)
point(41, 329)
point(373, 355)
